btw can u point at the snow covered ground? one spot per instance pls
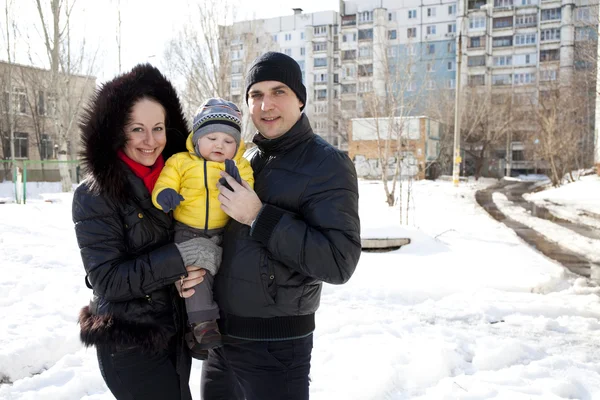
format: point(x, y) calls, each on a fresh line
point(466, 311)
point(578, 201)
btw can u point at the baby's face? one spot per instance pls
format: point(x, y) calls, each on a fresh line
point(217, 146)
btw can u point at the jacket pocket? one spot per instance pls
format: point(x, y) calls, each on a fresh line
point(267, 279)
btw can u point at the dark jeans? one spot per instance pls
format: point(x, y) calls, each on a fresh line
point(131, 374)
point(253, 370)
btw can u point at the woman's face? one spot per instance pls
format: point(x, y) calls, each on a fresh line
point(146, 133)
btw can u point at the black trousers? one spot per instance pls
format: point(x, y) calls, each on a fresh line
point(253, 370)
point(131, 374)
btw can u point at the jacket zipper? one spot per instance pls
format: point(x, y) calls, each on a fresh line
point(207, 197)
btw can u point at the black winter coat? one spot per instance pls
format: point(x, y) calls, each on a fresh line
point(308, 232)
point(126, 243)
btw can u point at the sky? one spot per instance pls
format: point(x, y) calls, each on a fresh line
point(466, 311)
point(146, 27)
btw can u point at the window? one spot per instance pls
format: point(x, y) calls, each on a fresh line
point(584, 33)
point(431, 48)
point(349, 37)
point(551, 14)
point(502, 61)
point(288, 37)
point(348, 104)
point(526, 20)
point(503, 41)
point(336, 78)
point(320, 62)
point(477, 41)
point(392, 35)
point(504, 22)
point(411, 50)
point(450, 47)
point(349, 88)
point(236, 68)
point(451, 28)
point(21, 146)
point(452, 9)
point(430, 67)
point(275, 38)
point(320, 108)
point(365, 34)
point(236, 84)
point(391, 16)
point(503, 3)
point(288, 52)
point(411, 33)
point(526, 2)
point(431, 12)
point(320, 78)
point(302, 35)
point(19, 101)
point(450, 66)
point(46, 147)
point(583, 14)
point(476, 61)
point(501, 80)
point(476, 23)
point(525, 59)
point(320, 46)
point(392, 51)
point(431, 30)
point(549, 34)
point(365, 52)
point(450, 83)
point(525, 39)
point(365, 16)
point(430, 85)
point(365, 70)
point(320, 30)
point(412, 14)
point(46, 103)
point(548, 75)
point(321, 94)
point(302, 51)
point(476, 80)
point(411, 86)
point(524, 78)
point(349, 55)
point(365, 87)
point(549, 55)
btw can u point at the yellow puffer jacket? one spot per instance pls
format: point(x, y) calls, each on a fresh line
point(185, 173)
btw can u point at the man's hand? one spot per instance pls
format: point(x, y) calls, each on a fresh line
point(241, 204)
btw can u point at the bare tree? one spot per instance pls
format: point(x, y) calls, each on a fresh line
point(65, 61)
point(9, 110)
point(209, 48)
point(562, 118)
point(397, 77)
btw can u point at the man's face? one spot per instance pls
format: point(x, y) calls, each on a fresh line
point(274, 108)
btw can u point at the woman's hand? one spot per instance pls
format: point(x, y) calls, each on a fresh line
point(185, 285)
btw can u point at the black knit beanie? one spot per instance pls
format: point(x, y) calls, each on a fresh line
point(278, 67)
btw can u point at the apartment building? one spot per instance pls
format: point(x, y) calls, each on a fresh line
point(404, 52)
point(34, 111)
point(522, 49)
point(308, 38)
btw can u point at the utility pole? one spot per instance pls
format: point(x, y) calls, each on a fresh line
point(457, 159)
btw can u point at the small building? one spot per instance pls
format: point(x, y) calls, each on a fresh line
point(36, 112)
point(413, 141)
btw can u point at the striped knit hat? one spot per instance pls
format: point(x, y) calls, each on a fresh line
point(217, 115)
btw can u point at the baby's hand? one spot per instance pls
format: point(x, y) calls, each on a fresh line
point(169, 199)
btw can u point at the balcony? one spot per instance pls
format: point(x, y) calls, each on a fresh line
point(476, 4)
point(349, 20)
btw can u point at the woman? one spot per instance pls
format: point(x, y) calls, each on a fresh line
point(136, 318)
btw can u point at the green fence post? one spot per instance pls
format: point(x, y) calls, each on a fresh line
point(25, 182)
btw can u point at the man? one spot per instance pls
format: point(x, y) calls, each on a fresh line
point(299, 228)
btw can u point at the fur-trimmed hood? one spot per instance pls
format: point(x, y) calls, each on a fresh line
point(104, 119)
